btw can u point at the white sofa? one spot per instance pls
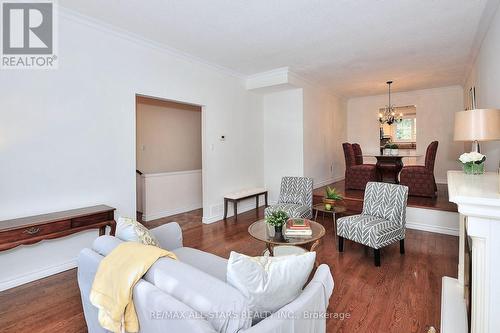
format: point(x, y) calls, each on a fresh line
point(191, 294)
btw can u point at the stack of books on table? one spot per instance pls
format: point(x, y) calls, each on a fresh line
point(298, 228)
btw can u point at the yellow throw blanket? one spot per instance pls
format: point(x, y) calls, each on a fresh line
point(114, 282)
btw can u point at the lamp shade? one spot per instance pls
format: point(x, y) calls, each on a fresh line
point(477, 125)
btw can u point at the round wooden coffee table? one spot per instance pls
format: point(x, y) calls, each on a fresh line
point(262, 231)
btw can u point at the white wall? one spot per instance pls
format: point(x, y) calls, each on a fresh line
point(168, 137)
point(435, 113)
point(324, 133)
point(485, 76)
point(170, 193)
point(283, 138)
point(67, 136)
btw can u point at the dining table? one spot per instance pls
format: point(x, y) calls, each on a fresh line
point(389, 166)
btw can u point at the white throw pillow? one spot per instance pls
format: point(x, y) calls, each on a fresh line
point(129, 230)
point(269, 283)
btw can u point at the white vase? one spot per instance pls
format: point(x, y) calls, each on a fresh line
point(394, 152)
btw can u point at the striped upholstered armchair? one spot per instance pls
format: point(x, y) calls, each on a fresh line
point(295, 198)
point(382, 221)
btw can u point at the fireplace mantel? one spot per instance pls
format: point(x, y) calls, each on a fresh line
point(478, 201)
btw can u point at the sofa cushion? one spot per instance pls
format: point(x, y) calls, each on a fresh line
point(204, 261)
point(129, 230)
point(225, 307)
point(269, 282)
point(368, 230)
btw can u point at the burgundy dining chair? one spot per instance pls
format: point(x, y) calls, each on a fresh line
point(357, 175)
point(358, 153)
point(420, 178)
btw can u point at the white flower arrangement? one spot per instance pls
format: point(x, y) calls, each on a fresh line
point(472, 163)
point(472, 157)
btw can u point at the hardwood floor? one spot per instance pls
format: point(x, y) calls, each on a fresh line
point(403, 295)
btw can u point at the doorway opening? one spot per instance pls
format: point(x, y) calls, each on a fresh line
point(168, 158)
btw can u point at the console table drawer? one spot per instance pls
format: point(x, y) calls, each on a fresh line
point(91, 219)
point(34, 231)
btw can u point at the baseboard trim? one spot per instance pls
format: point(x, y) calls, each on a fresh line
point(37, 275)
point(431, 220)
point(242, 208)
point(166, 213)
point(432, 228)
point(328, 181)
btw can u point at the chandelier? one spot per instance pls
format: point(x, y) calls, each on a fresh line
point(388, 114)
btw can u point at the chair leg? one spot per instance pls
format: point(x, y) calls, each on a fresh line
point(341, 244)
point(402, 246)
point(377, 257)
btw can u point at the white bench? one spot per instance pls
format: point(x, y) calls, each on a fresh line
point(241, 195)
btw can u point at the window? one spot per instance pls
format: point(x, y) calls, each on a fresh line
point(405, 131)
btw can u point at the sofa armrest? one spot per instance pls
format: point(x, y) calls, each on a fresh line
point(169, 235)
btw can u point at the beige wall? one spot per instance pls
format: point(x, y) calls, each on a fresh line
point(168, 136)
point(324, 131)
point(283, 138)
point(435, 113)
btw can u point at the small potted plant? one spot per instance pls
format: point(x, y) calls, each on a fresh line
point(472, 163)
point(331, 197)
point(387, 148)
point(277, 219)
point(394, 149)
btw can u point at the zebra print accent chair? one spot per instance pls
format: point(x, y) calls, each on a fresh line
point(382, 222)
point(296, 196)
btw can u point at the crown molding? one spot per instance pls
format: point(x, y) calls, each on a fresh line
point(101, 26)
point(269, 74)
point(283, 78)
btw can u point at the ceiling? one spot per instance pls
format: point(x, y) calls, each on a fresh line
point(350, 46)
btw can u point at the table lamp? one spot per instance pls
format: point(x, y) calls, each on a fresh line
point(477, 125)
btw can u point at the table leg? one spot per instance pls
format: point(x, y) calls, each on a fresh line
point(102, 231)
point(257, 204)
point(235, 205)
point(225, 208)
point(314, 246)
point(378, 169)
point(316, 216)
point(398, 168)
point(265, 198)
point(113, 228)
point(334, 226)
point(270, 249)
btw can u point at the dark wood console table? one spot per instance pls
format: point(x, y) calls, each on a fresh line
point(33, 229)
